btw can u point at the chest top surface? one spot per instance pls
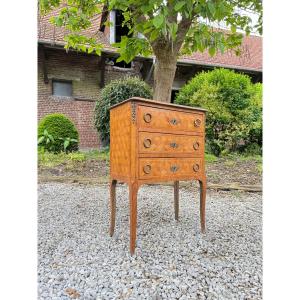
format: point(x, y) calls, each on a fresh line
point(159, 104)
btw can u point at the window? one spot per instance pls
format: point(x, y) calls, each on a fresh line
point(121, 64)
point(62, 88)
point(116, 29)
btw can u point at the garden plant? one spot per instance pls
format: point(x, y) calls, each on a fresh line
point(57, 133)
point(114, 92)
point(234, 104)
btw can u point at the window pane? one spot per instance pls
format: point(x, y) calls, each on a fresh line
point(61, 88)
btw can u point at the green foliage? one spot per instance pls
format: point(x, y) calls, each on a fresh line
point(62, 130)
point(114, 92)
point(210, 158)
point(256, 133)
point(102, 154)
point(234, 118)
point(159, 21)
point(46, 140)
point(50, 159)
point(67, 142)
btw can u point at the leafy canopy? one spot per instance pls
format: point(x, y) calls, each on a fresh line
point(185, 25)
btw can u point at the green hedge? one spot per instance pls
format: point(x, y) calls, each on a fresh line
point(234, 104)
point(114, 92)
point(60, 128)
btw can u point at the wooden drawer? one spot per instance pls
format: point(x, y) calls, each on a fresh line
point(164, 143)
point(155, 119)
point(170, 168)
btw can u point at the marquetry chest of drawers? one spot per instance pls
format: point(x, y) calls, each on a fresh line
point(151, 142)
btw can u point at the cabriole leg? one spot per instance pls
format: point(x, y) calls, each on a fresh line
point(113, 184)
point(202, 203)
point(133, 190)
point(176, 199)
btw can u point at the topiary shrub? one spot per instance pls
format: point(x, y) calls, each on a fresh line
point(61, 129)
point(234, 118)
point(114, 92)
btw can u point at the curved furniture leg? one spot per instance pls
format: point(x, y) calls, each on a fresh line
point(133, 190)
point(176, 199)
point(113, 184)
point(202, 203)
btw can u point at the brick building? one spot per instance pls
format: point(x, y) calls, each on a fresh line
point(70, 83)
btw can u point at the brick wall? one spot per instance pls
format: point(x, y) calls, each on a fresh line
point(84, 72)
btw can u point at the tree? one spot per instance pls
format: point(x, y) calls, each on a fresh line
point(169, 28)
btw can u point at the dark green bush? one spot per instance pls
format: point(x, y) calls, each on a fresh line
point(234, 118)
point(256, 133)
point(61, 129)
point(114, 92)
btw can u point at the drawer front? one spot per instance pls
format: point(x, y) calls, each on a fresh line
point(151, 142)
point(170, 168)
point(150, 118)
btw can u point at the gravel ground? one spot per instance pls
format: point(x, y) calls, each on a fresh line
point(78, 259)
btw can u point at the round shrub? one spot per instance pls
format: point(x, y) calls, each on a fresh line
point(114, 92)
point(234, 118)
point(60, 128)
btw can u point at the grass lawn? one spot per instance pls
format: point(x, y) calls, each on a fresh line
point(93, 166)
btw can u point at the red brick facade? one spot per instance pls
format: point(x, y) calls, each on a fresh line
point(83, 71)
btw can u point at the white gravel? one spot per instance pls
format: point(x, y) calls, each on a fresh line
point(172, 261)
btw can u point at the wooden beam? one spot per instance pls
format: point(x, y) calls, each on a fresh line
point(44, 57)
point(101, 65)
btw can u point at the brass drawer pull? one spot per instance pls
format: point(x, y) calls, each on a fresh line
point(147, 143)
point(196, 167)
point(174, 168)
point(174, 145)
point(147, 169)
point(197, 122)
point(174, 121)
point(196, 145)
point(147, 117)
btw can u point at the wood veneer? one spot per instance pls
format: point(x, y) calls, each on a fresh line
point(150, 142)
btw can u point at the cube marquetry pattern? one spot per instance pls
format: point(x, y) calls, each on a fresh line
point(152, 142)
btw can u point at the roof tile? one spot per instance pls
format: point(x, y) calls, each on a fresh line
point(250, 59)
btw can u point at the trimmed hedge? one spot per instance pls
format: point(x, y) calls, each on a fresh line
point(60, 127)
point(114, 92)
point(234, 118)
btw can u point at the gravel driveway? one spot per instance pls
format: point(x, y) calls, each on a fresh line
point(78, 259)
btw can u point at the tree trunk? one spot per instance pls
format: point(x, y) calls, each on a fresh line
point(164, 73)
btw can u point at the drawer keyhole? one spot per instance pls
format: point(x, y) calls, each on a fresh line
point(174, 145)
point(147, 169)
point(147, 117)
point(196, 145)
point(174, 121)
point(174, 168)
point(147, 143)
point(196, 167)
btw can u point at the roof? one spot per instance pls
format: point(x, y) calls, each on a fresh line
point(250, 59)
point(49, 33)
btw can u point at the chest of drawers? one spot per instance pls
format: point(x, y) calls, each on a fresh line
point(152, 142)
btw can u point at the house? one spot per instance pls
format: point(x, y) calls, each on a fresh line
point(70, 82)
